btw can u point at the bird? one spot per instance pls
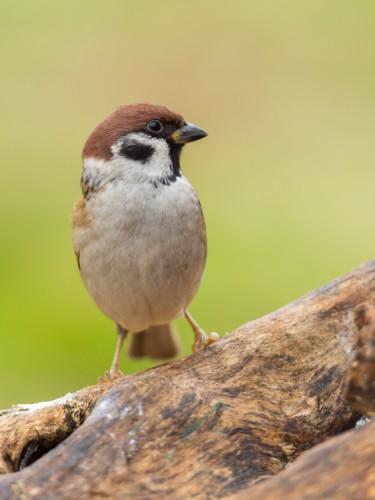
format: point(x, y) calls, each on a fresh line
point(139, 233)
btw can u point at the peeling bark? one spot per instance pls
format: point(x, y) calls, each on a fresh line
point(205, 426)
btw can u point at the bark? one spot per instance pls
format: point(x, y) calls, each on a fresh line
point(344, 467)
point(361, 383)
point(205, 426)
point(341, 469)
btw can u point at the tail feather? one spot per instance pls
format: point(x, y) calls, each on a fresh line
point(157, 342)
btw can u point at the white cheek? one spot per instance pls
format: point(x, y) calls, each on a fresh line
point(159, 165)
point(100, 172)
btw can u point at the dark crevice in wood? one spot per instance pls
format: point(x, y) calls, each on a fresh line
point(32, 431)
point(34, 450)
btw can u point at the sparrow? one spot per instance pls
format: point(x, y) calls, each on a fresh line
point(138, 230)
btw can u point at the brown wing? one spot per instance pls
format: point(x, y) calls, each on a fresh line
point(80, 218)
point(77, 256)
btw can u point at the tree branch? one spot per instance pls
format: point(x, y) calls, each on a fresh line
point(344, 467)
point(208, 425)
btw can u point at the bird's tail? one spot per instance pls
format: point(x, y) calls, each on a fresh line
point(157, 342)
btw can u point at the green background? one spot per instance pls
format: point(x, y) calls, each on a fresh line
point(286, 91)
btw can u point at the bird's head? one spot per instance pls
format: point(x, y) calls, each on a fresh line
point(140, 142)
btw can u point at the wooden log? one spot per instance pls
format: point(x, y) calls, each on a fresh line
point(207, 425)
point(344, 467)
point(341, 469)
point(361, 385)
point(28, 432)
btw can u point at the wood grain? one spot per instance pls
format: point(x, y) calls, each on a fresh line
point(344, 467)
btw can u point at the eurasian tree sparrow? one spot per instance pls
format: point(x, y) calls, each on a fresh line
point(138, 230)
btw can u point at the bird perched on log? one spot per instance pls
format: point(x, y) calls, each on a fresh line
point(138, 230)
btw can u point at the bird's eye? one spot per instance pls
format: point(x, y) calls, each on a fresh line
point(154, 126)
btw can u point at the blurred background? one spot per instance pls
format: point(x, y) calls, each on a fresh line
point(286, 91)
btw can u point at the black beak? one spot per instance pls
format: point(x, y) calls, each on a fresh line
point(188, 133)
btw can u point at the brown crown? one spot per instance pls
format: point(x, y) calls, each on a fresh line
point(124, 120)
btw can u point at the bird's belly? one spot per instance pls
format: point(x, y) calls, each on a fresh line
point(145, 270)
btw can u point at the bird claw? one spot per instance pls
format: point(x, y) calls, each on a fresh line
point(205, 340)
point(110, 377)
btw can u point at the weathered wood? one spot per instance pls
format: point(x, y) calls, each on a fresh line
point(344, 467)
point(361, 385)
point(29, 431)
point(214, 422)
point(341, 469)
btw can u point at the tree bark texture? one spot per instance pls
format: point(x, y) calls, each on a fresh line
point(205, 426)
point(344, 467)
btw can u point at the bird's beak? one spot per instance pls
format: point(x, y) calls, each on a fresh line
point(188, 133)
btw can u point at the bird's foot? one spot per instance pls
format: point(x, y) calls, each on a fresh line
point(201, 339)
point(110, 376)
point(114, 373)
point(204, 340)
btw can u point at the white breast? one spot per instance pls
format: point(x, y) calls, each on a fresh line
point(143, 255)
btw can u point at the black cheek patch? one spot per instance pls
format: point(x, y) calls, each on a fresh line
point(136, 151)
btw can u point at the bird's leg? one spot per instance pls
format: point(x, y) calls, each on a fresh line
point(114, 372)
point(121, 332)
point(201, 339)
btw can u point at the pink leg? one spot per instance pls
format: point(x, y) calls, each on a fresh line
point(201, 339)
point(114, 371)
